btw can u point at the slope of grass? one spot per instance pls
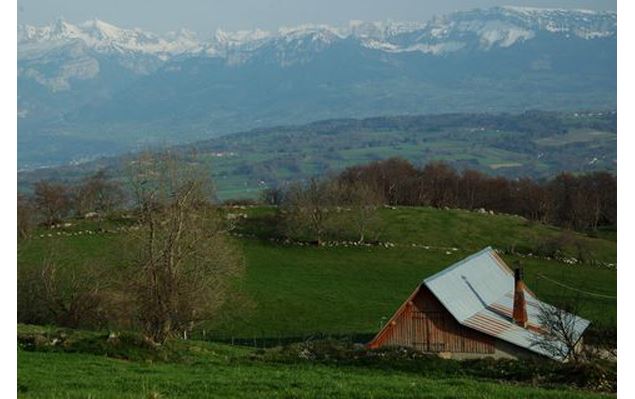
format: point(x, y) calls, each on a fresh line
point(61, 375)
point(472, 231)
point(457, 228)
point(76, 368)
point(296, 291)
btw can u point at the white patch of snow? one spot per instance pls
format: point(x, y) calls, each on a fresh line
point(426, 48)
point(301, 31)
point(501, 27)
point(379, 45)
point(436, 49)
point(539, 10)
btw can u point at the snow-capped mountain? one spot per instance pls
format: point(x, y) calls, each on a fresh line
point(58, 54)
point(105, 38)
point(94, 77)
point(484, 29)
point(500, 26)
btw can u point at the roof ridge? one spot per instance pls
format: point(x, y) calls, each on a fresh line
point(487, 249)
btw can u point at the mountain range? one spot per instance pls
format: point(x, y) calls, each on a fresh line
point(96, 89)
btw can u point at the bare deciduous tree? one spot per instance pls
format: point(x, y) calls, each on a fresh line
point(66, 293)
point(576, 201)
point(309, 208)
point(25, 216)
point(98, 193)
point(273, 196)
point(362, 203)
point(53, 200)
point(560, 335)
point(183, 262)
point(441, 182)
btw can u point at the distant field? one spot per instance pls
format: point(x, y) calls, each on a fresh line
point(505, 165)
point(537, 144)
point(577, 136)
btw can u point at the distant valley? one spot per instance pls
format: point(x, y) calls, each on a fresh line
point(93, 89)
point(534, 144)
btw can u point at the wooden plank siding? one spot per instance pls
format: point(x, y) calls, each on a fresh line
point(423, 323)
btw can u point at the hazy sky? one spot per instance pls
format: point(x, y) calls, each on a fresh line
point(205, 17)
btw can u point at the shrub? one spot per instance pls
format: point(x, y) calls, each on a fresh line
point(598, 376)
point(553, 246)
point(125, 345)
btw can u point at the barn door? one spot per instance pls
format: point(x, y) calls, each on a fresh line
point(427, 331)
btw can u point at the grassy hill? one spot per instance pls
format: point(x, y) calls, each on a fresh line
point(296, 291)
point(347, 289)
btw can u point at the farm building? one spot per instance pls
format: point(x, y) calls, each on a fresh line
point(477, 307)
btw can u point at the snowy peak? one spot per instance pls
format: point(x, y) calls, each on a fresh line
point(382, 29)
point(486, 28)
point(239, 38)
point(101, 30)
point(586, 24)
point(105, 37)
point(480, 29)
point(541, 12)
point(59, 30)
point(316, 33)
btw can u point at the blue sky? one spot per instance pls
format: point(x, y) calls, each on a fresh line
point(205, 17)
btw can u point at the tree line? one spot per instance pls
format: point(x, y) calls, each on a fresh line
point(581, 202)
point(52, 202)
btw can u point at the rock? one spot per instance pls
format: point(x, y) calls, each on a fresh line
point(113, 336)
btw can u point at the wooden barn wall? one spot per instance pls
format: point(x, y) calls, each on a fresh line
point(426, 325)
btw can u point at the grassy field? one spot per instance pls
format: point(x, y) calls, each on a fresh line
point(63, 375)
point(201, 369)
point(576, 136)
point(293, 293)
point(299, 291)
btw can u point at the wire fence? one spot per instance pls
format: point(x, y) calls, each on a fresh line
point(270, 340)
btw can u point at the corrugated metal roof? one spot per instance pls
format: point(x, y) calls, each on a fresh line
point(479, 292)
